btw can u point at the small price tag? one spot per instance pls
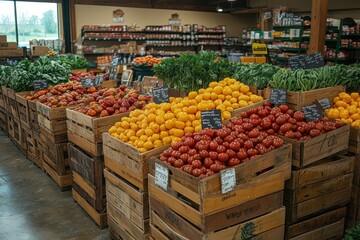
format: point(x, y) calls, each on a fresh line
point(99, 79)
point(312, 112)
point(278, 96)
point(211, 119)
point(161, 176)
point(324, 103)
point(228, 180)
point(40, 85)
point(87, 82)
point(160, 94)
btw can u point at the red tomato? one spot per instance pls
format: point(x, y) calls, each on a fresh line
point(196, 164)
point(208, 162)
point(213, 155)
point(248, 144)
point(204, 154)
point(252, 152)
point(223, 157)
point(221, 149)
point(233, 162)
point(184, 149)
point(231, 153)
point(178, 163)
point(235, 145)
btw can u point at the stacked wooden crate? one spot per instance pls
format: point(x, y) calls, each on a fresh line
point(87, 161)
point(353, 214)
point(53, 134)
point(196, 209)
point(3, 112)
point(127, 194)
point(320, 187)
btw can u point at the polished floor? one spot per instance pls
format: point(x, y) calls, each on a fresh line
point(31, 205)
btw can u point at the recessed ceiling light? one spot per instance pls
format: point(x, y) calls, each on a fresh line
point(219, 9)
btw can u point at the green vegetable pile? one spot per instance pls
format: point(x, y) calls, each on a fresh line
point(75, 61)
point(353, 234)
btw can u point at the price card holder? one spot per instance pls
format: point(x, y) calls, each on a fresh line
point(161, 95)
point(312, 112)
point(87, 82)
point(278, 96)
point(40, 85)
point(228, 180)
point(161, 176)
point(324, 103)
point(211, 119)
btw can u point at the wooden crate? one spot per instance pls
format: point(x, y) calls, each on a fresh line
point(88, 177)
point(4, 91)
point(315, 225)
point(356, 180)
point(54, 137)
point(201, 202)
point(352, 216)
point(266, 227)
point(52, 119)
point(63, 181)
point(128, 207)
point(127, 162)
point(33, 116)
point(355, 194)
point(3, 120)
point(100, 218)
point(310, 151)
point(354, 142)
point(23, 109)
point(297, 100)
point(237, 112)
point(86, 132)
point(13, 109)
point(2, 100)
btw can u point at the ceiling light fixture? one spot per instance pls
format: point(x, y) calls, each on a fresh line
point(231, 0)
point(219, 9)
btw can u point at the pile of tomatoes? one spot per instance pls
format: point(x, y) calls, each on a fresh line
point(252, 134)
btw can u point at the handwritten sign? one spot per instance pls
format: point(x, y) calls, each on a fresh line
point(211, 119)
point(324, 103)
point(312, 112)
point(87, 82)
point(40, 85)
point(306, 62)
point(160, 94)
point(228, 180)
point(99, 79)
point(161, 176)
point(278, 96)
point(297, 62)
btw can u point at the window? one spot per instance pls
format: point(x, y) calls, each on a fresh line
point(34, 20)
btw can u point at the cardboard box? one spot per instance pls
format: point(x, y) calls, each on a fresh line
point(8, 45)
point(39, 50)
point(3, 38)
point(18, 52)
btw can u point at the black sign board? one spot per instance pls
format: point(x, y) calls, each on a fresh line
point(278, 96)
point(312, 112)
point(99, 79)
point(306, 62)
point(161, 94)
point(40, 84)
point(324, 103)
point(87, 82)
point(211, 119)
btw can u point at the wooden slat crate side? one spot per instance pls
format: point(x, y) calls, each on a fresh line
point(56, 155)
point(353, 215)
point(330, 168)
point(57, 137)
point(23, 108)
point(64, 181)
point(85, 133)
point(135, 199)
point(117, 233)
point(36, 159)
point(312, 150)
point(33, 116)
point(126, 224)
point(315, 222)
point(318, 189)
point(51, 113)
point(256, 226)
point(355, 195)
point(99, 218)
point(320, 204)
point(331, 231)
point(356, 180)
point(211, 205)
point(94, 149)
point(52, 125)
point(209, 186)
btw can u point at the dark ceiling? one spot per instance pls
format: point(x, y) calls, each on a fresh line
point(194, 5)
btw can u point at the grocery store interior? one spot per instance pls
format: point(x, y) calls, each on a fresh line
point(188, 119)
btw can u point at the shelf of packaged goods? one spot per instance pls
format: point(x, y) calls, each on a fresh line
point(113, 39)
point(290, 49)
point(98, 53)
point(350, 48)
point(279, 28)
point(331, 40)
point(294, 39)
point(163, 32)
point(352, 35)
point(281, 58)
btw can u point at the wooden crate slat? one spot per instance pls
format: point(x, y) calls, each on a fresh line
point(93, 149)
point(331, 231)
point(51, 113)
point(52, 125)
point(116, 232)
point(64, 182)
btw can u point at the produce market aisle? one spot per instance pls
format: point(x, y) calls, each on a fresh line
point(32, 206)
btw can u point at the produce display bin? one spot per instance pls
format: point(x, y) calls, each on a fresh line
point(23, 108)
point(354, 142)
point(4, 120)
point(34, 148)
point(12, 108)
point(52, 119)
point(4, 91)
point(2, 101)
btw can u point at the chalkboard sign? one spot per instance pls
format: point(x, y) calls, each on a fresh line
point(306, 62)
point(211, 119)
point(99, 79)
point(161, 94)
point(312, 112)
point(87, 82)
point(324, 103)
point(40, 85)
point(278, 96)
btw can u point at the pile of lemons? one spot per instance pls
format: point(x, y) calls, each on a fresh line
point(161, 124)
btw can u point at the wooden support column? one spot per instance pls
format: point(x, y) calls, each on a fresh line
point(72, 25)
point(318, 25)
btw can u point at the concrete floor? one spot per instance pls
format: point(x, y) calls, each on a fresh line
point(31, 205)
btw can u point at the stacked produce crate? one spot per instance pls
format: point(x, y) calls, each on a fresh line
point(87, 161)
point(3, 111)
point(53, 133)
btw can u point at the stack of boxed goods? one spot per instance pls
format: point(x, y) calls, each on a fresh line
point(9, 49)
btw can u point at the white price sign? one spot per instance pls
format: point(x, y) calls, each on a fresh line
point(161, 176)
point(228, 180)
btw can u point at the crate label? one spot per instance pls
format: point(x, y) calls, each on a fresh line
point(40, 84)
point(228, 180)
point(87, 82)
point(211, 119)
point(312, 112)
point(161, 176)
point(324, 103)
point(278, 96)
point(160, 94)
